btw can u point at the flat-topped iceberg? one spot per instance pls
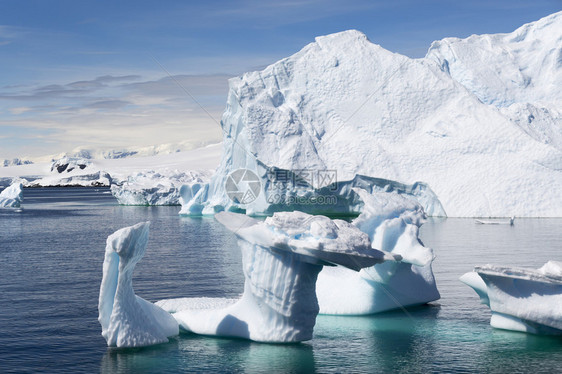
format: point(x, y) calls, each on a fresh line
point(392, 222)
point(281, 261)
point(126, 319)
point(521, 299)
point(152, 188)
point(12, 196)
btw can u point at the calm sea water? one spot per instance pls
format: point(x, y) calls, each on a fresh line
point(51, 266)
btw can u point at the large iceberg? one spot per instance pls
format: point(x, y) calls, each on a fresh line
point(152, 188)
point(126, 319)
point(347, 107)
point(521, 299)
point(392, 222)
point(11, 196)
point(281, 261)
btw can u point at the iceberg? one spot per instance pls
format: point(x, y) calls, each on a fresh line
point(73, 172)
point(521, 299)
point(126, 319)
point(152, 188)
point(510, 221)
point(281, 261)
point(347, 107)
point(12, 196)
point(392, 222)
point(94, 179)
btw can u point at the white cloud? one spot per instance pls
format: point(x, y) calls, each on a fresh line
point(20, 110)
point(114, 111)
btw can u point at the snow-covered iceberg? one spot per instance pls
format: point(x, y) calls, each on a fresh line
point(345, 106)
point(521, 299)
point(392, 222)
point(12, 196)
point(152, 188)
point(126, 319)
point(281, 261)
point(73, 171)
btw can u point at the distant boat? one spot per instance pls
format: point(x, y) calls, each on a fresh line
point(496, 221)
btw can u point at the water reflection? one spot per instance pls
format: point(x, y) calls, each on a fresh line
point(380, 342)
point(195, 353)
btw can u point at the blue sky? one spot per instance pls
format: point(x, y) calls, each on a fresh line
point(91, 73)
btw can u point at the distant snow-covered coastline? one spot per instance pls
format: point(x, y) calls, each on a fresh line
point(171, 170)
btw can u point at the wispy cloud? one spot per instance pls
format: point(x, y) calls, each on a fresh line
point(116, 111)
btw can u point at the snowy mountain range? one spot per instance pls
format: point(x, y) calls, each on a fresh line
point(477, 119)
point(111, 154)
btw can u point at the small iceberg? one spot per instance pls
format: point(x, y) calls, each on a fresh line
point(521, 299)
point(12, 196)
point(281, 261)
point(496, 221)
point(126, 319)
point(392, 222)
point(166, 188)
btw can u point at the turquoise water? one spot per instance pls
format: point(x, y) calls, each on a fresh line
point(52, 255)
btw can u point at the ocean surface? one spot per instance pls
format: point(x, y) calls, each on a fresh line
point(51, 256)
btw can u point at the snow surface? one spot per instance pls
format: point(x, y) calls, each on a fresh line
point(521, 299)
point(343, 103)
point(126, 319)
point(145, 151)
point(523, 66)
point(281, 260)
point(12, 196)
point(392, 222)
point(198, 162)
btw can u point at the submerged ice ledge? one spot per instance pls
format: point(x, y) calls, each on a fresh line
point(521, 299)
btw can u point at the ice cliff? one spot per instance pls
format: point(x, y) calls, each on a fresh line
point(347, 105)
point(521, 299)
point(281, 261)
point(126, 319)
